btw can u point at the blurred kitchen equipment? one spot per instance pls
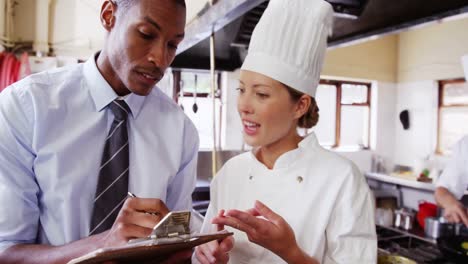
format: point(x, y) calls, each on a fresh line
point(386, 201)
point(438, 227)
point(454, 248)
point(195, 106)
point(404, 218)
point(426, 209)
point(383, 217)
point(403, 171)
point(378, 164)
point(394, 259)
point(461, 229)
point(181, 99)
point(387, 198)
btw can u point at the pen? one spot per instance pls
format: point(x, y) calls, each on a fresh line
point(134, 196)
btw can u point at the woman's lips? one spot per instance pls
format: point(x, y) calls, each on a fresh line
point(250, 128)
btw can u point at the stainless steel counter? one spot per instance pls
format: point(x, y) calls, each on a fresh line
point(424, 186)
point(399, 181)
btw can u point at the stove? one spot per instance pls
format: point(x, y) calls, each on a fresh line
point(399, 242)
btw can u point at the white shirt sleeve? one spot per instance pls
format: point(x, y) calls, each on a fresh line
point(455, 175)
point(19, 191)
point(351, 236)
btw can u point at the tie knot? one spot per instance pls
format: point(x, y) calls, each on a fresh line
point(120, 109)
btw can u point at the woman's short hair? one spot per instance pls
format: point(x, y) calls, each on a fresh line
point(311, 117)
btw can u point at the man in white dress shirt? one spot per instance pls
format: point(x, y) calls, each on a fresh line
point(56, 125)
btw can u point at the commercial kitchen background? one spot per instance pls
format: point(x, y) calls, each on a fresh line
point(405, 70)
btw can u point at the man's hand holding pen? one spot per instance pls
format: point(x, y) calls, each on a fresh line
point(136, 219)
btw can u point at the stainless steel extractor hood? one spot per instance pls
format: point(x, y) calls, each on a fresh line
point(355, 20)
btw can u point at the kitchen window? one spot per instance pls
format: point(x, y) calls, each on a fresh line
point(344, 114)
point(453, 113)
point(193, 94)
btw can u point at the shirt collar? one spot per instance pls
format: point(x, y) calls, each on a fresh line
point(289, 158)
point(102, 93)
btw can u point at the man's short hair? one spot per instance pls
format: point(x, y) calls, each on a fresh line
point(125, 4)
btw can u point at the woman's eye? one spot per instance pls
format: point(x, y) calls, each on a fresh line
point(262, 95)
point(240, 90)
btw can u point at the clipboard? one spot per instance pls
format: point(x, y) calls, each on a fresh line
point(170, 235)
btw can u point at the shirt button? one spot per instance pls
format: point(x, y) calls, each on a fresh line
point(299, 179)
point(250, 177)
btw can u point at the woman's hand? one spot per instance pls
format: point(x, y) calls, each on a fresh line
point(215, 251)
point(272, 233)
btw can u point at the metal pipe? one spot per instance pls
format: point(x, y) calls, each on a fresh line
point(41, 41)
point(3, 17)
point(213, 85)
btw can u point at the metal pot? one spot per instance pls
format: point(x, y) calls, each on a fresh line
point(404, 218)
point(438, 227)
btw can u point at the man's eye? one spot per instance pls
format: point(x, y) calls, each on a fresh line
point(172, 46)
point(145, 36)
point(262, 95)
point(240, 90)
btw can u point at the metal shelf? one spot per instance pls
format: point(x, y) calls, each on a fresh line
point(402, 182)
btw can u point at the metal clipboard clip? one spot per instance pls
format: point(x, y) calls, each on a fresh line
point(174, 226)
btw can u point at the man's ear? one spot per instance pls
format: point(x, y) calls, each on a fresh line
point(108, 12)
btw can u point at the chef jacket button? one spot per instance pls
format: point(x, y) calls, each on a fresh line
point(299, 179)
point(250, 177)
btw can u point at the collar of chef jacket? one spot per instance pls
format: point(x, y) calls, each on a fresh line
point(287, 160)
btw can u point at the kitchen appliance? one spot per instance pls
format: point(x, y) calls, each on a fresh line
point(383, 216)
point(438, 227)
point(454, 248)
point(404, 218)
point(426, 209)
point(397, 242)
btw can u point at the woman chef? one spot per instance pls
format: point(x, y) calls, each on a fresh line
point(288, 200)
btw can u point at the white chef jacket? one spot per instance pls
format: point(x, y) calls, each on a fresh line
point(455, 175)
point(322, 196)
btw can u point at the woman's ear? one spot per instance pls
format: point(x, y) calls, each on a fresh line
point(108, 12)
point(302, 105)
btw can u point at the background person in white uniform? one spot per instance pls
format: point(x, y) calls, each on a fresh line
point(454, 180)
point(289, 200)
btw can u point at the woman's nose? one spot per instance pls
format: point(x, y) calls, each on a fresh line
point(244, 105)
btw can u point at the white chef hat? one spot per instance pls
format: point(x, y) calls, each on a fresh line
point(289, 43)
point(465, 66)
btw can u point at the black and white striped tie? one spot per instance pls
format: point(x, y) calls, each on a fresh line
point(112, 186)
